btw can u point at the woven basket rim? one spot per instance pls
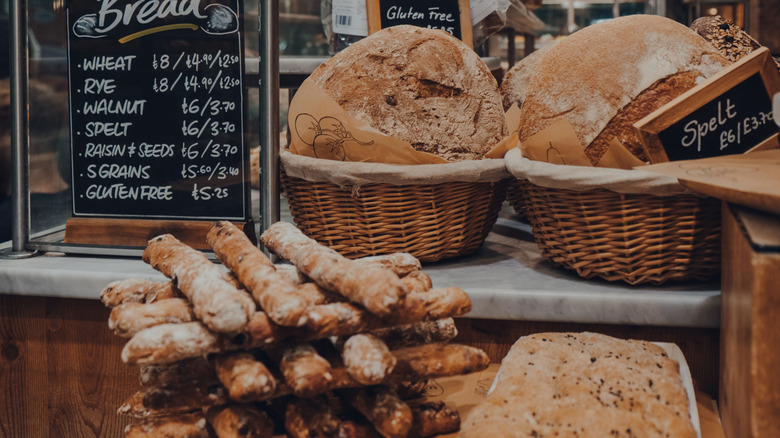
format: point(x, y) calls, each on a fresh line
point(636, 238)
point(582, 178)
point(358, 174)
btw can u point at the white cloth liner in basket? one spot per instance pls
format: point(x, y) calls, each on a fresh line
point(353, 174)
point(581, 178)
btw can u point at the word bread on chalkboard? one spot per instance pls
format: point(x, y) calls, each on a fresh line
point(157, 109)
point(452, 16)
point(731, 113)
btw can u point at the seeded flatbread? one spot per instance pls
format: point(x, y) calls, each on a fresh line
point(584, 385)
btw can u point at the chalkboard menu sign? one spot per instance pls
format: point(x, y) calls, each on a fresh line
point(157, 109)
point(733, 123)
point(729, 114)
point(453, 16)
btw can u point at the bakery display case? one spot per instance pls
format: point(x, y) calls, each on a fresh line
point(70, 353)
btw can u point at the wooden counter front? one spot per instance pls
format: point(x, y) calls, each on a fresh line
point(750, 342)
point(62, 376)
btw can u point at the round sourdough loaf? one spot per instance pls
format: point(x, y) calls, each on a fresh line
point(608, 76)
point(419, 85)
point(514, 85)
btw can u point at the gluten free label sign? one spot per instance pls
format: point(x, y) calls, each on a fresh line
point(452, 16)
point(729, 114)
point(157, 109)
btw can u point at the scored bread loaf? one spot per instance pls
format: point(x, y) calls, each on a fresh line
point(607, 76)
point(585, 385)
point(421, 86)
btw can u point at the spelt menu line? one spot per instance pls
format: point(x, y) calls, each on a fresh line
point(157, 109)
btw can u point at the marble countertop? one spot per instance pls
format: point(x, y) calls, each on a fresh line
point(506, 279)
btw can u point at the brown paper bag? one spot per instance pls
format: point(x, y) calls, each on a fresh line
point(618, 157)
point(556, 144)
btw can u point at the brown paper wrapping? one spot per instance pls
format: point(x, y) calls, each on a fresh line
point(558, 144)
point(618, 157)
point(512, 118)
point(320, 128)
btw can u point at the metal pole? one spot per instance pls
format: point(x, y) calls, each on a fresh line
point(511, 47)
point(269, 113)
point(20, 217)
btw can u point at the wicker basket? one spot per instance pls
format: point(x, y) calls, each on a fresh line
point(515, 195)
point(430, 221)
point(633, 237)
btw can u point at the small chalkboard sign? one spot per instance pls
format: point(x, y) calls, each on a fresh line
point(157, 109)
point(453, 16)
point(731, 113)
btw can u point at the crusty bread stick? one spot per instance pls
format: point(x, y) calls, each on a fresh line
point(137, 290)
point(335, 319)
point(176, 373)
point(424, 332)
point(401, 263)
point(194, 396)
point(305, 372)
point(237, 420)
point(343, 318)
point(245, 377)
point(191, 425)
point(433, 418)
point(167, 343)
point(378, 290)
point(436, 360)
point(134, 407)
point(310, 417)
point(433, 304)
point(128, 319)
point(417, 281)
point(217, 303)
point(275, 293)
point(367, 358)
point(390, 416)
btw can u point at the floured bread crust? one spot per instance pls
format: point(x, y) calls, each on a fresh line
point(593, 75)
point(421, 86)
point(583, 385)
point(514, 85)
point(653, 97)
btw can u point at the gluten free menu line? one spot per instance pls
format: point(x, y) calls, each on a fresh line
point(157, 110)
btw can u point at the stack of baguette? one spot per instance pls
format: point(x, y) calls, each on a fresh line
point(324, 346)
